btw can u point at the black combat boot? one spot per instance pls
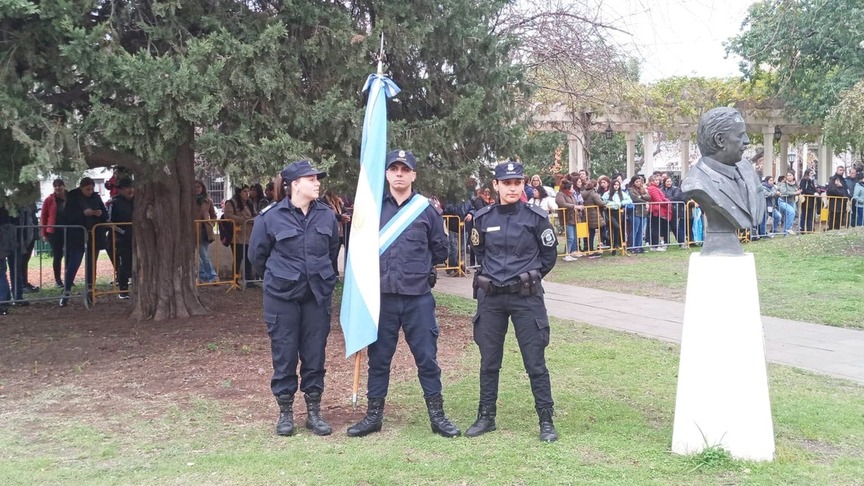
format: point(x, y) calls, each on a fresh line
point(285, 424)
point(485, 420)
point(441, 425)
point(371, 422)
point(314, 422)
point(547, 430)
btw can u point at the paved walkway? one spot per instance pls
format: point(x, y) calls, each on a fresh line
point(822, 349)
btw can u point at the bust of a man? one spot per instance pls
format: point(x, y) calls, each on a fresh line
point(725, 187)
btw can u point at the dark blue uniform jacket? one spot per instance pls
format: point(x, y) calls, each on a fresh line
point(294, 252)
point(513, 239)
point(406, 264)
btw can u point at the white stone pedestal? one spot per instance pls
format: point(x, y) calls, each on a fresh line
point(722, 397)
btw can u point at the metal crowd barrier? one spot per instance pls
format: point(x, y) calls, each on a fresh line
point(838, 213)
point(460, 246)
point(622, 228)
point(17, 265)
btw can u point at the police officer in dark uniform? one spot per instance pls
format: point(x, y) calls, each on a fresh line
point(407, 276)
point(516, 246)
point(292, 244)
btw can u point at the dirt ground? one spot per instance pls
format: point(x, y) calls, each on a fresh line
point(223, 356)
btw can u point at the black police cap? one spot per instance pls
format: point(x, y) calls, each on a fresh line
point(301, 168)
point(509, 170)
point(404, 156)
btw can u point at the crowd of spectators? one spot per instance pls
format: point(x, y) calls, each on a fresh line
point(651, 212)
point(618, 215)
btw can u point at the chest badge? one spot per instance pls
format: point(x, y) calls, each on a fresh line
point(475, 237)
point(548, 237)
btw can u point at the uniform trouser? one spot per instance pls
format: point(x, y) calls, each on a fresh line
point(532, 333)
point(415, 314)
point(298, 330)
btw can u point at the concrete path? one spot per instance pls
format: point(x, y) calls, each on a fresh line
point(822, 349)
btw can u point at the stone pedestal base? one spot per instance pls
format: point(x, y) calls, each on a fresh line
point(722, 397)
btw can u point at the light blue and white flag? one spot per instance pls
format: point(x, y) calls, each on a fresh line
point(400, 222)
point(361, 294)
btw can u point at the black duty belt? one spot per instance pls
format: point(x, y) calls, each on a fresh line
point(512, 288)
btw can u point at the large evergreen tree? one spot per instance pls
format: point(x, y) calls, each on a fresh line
point(248, 86)
point(809, 50)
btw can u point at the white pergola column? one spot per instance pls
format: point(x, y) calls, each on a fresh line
point(768, 137)
point(648, 155)
point(574, 149)
point(576, 153)
point(630, 137)
point(784, 154)
point(826, 163)
point(684, 145)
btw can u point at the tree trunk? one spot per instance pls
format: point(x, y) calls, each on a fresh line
point(164, 242)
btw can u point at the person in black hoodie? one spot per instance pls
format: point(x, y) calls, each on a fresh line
point(84, 208)
point(808, 203)
point(838, 199)
point(121, 235)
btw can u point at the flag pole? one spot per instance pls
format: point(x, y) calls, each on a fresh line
point(381, 57)
point(356, 378)
point(357, 355)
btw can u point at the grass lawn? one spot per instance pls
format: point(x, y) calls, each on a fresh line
point(614, 403)
point(814, 278)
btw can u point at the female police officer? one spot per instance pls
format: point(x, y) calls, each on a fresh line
point(515, 247)
point(293, 243)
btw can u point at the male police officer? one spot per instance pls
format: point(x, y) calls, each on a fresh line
point(407, 276)
point(292, 244)
point(515, 246)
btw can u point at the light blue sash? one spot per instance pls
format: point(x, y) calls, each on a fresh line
point(388, 234)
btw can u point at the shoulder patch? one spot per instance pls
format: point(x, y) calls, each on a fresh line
point(475, 237)
point(270, 206)
point(537, 209)
point(548, 237)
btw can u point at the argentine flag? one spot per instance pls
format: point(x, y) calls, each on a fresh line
point(361, 301)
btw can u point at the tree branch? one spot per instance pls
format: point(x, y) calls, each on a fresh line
point(105, 157)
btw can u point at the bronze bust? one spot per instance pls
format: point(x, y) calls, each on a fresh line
point(726, 187)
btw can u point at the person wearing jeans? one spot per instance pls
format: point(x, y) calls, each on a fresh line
point(204, 211)
point(639, 195)
point(858, 203)
point(786, 192)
